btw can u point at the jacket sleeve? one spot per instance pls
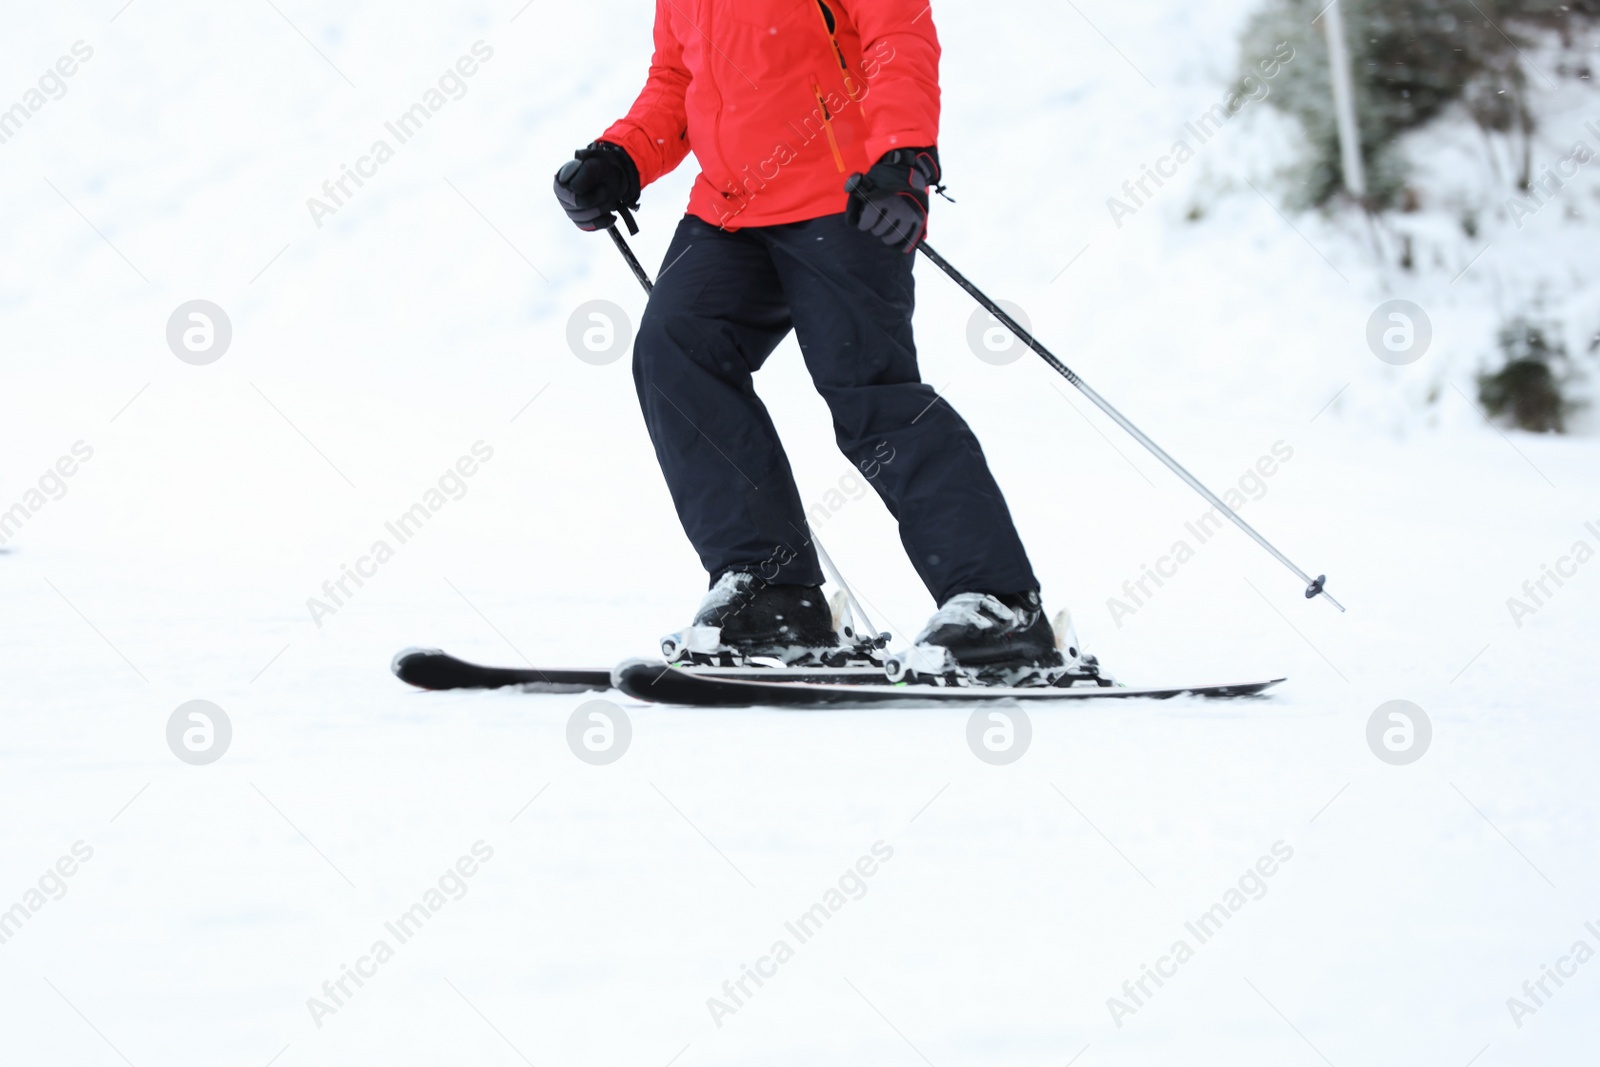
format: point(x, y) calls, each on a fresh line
point(900, 49)
point(655, 132)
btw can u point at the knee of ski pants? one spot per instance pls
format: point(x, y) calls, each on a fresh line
point(656, 350)
point(689, 356)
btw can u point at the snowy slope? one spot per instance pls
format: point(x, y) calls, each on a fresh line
point(429, 313)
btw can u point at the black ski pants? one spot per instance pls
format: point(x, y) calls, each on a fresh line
point(722, 303)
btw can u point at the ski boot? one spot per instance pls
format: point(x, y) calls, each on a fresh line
point(978, 639)
point(747, 622)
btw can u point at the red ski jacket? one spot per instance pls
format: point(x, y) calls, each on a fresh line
point(780, 100)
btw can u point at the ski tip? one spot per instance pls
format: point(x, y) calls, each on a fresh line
point(640, 678)
point(397, 665)
point(649, 668)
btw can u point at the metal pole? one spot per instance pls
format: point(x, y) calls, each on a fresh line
point(833, 572)
point(627, 254)
point(1314, 586)
point(1344, 102)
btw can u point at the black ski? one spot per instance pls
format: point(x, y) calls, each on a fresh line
point(743, 687)
point(655, 681)
point(429, 668)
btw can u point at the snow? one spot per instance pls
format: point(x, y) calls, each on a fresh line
point(430, 313)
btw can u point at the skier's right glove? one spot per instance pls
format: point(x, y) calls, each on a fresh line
point(598, 183)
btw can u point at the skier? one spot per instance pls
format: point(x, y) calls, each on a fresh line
point(782, 102)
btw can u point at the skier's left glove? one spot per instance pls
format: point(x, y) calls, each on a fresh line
point(597, 181)
point(890, 200)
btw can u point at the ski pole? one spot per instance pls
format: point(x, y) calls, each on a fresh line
point(850, 594)
point(1314, 586)
point(627, 254)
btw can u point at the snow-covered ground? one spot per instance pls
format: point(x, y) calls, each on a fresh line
point(429, 313)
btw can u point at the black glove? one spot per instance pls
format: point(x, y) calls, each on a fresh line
point(890, 201)
point(597, 181)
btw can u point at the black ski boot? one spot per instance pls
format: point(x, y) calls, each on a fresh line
point(994, 640)
point(990, 631)
point(743, 618)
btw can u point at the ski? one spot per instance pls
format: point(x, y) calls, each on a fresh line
point(743, 687)
point(430, 668)
point(659, 683)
